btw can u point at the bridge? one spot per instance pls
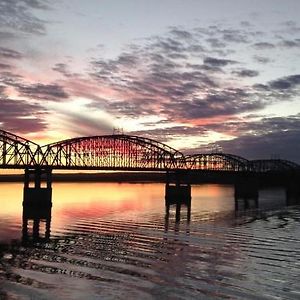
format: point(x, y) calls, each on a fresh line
point(123, 152)
point(134, 153)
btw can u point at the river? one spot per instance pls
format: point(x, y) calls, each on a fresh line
point(116, 241)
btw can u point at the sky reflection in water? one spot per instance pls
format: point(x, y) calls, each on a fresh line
point(115, 241)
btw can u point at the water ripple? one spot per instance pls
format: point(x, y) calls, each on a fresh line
point(222, 255)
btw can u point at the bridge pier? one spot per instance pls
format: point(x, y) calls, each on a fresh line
point(36, 217)
point(292, 191)
point(177, 193)
point(37, 187)
point(176, 190)
point(246, 192)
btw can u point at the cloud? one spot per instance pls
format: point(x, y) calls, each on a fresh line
point(82, 124)
point(9, 53)
point(265, 146)
point(62, 69)
point(227, 102)
point(19, 116)
point(234, 36)
point(264, 46)
point(17, 16)
point(217, 62)
point(261, 59)
point(258, 138)
point(216, 43)
point(257, 125)
point(246, 73)
point(4, 66)
point(282, 89)
point(39, 91)
point(285, 83)
point(169, 133)
point(180, 80)
point(290, 43)
point(181, 33)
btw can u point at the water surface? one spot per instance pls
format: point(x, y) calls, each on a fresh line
point(116, 241)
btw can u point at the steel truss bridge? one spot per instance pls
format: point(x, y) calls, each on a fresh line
point(122, 152)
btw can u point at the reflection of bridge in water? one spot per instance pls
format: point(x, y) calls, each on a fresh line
point(133, 153)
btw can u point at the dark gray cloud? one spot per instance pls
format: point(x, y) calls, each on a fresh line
point(217, 62)
point(280, 144)
point(216, 43)
point(257, 125)
point(17, 16)
point(234, 36)
point(225, 103)
point(5, 35)
point(9, 53)
point(181, 33)
point(285, 83)
point(281, 89)
point(264, 45)
point(19, 116)
point(4, 66)
point(39, 91)
point(246, 73)
point(63, 69)
point(156, 78)
point(290, 43)
point(261, 59)
point(257, 139)
point(167, 134)
point(9, 78)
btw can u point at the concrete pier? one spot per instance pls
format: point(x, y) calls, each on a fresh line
point(177, 192)
point(37, 187)
point(246, 193)
point(36, 223)
point(292, 190)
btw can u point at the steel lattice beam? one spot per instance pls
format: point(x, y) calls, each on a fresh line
point(122, 152)
point(112, 152)
point(17, 152)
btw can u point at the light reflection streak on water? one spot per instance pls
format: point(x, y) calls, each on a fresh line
point(114, 240)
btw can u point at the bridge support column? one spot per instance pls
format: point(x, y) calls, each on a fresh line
point(292, 192)
point(246, 192)
point(36, 217)
point(37, 188)
point(177, 193)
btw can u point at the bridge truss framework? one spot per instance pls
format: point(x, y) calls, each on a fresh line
point(122, 152)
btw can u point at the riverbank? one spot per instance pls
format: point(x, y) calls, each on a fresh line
point(96, 177)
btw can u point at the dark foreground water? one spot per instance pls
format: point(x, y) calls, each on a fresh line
point(115, 241)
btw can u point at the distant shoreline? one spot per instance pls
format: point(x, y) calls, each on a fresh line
point(138, 177)
point(267, 179)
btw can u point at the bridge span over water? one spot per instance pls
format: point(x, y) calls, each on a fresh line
point(123, 152)
point(134, 153)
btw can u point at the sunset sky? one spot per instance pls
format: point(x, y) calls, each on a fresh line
point(195, 74)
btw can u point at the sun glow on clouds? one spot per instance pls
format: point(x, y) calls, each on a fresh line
point(75, 119)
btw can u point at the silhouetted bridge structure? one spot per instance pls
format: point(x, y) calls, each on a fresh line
point(127, 153)
point(122, 152)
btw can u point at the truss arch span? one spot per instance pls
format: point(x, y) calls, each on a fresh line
point(216, 162)
point(112, 152)
point(17, 152)
point(270, 165)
